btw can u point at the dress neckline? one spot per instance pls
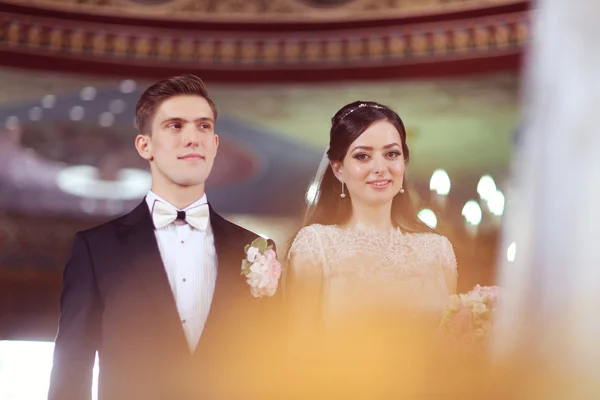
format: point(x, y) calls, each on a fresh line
point(361, 228)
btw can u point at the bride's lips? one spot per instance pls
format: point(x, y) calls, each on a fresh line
point(380, 184)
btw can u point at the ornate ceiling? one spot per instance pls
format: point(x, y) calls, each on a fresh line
point(261, 40)
point(264, 10)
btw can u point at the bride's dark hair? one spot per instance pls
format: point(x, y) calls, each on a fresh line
point(327, 207)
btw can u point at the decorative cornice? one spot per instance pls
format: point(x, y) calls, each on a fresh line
point(263, 11)
point(235, 52)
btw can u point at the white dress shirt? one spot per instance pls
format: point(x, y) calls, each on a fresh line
point(190, 261)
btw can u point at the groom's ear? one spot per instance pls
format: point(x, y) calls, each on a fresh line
point(338, 170)
point(143, 145)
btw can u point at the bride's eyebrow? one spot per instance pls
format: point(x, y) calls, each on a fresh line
point(362, 148)
point(370, 148)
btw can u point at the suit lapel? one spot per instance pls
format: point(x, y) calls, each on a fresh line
point(231, 289)
point(140, 244)
point(228, 284)
point(145, 259)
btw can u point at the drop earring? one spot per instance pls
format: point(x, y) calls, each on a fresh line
point(401, 190)
point(343, 195)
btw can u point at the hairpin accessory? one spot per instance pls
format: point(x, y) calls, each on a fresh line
point(361, 105)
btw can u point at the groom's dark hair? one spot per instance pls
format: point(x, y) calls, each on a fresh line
point(163, 90)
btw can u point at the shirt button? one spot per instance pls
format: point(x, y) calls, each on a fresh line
point(183, 321)
point(182, 242)
point(185, 280)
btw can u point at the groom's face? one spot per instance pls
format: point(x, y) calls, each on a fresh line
point(182, 145)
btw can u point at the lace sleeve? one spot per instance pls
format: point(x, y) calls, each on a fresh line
point(447, 254)
point(448, 260)
point(306, 246)
point(305, 284)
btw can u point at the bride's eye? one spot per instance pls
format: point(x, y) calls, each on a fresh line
point(394, 154)
point(361, 156)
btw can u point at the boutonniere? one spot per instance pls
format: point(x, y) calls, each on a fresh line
point(261, 268)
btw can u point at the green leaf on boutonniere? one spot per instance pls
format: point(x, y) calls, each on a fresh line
point(260, 243)
point(246, 248)
point(245, 267)
point(270, 247)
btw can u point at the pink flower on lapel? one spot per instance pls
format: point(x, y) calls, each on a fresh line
point(261, 268)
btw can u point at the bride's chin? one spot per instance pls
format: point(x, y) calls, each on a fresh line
point(381, 202)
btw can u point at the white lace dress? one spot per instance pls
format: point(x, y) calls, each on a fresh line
point(361, 270)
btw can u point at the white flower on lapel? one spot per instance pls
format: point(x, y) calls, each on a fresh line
point(252, 253)
point(261, 268)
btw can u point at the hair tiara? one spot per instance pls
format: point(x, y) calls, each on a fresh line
point(361, 105)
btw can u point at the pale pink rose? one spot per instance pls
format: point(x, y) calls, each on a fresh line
point(490, 292)
point(264, 274)
point(274, 279)
point(493, 292)
point(270, 255)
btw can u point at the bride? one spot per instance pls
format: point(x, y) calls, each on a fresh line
point(366, 280)
point(362, 250)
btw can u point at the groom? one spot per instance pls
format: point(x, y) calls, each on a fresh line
point(158, 292)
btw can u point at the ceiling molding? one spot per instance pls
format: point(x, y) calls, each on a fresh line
point(479, 44)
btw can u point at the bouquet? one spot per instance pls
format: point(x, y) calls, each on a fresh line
point(469, 317)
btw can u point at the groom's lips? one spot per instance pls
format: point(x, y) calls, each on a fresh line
point(192, 156)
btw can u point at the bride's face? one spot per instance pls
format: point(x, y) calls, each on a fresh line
point(373, 168)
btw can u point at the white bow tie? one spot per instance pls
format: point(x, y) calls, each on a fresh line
point(163, 215)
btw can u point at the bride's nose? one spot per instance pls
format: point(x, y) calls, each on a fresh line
point(378, 166)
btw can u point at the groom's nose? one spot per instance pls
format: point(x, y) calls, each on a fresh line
point(191, 137)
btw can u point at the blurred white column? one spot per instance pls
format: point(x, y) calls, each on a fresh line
point(552, 288)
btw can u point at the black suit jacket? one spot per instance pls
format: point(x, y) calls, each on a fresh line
point(116, 300)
